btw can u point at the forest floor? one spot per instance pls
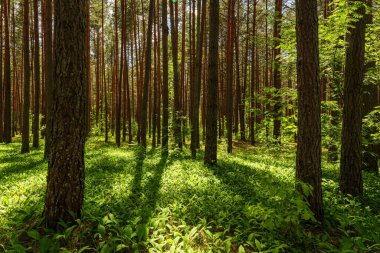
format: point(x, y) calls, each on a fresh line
point(137, 203)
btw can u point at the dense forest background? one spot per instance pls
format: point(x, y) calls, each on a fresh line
point(257, 67)
point(225, 86)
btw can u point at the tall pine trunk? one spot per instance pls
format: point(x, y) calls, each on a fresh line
point(197, 82)
point(1, 73)
point(276, 71)
point(26, 105)
point(212, 85)
point(308, 165)
point(177, 126)
point(351, 181)
point(7, 76)
point(148, 60)
point(49, 74)
point(165, 81)
point(370, 101)
point(37, 91)
point(65, 181)
point(230, 72)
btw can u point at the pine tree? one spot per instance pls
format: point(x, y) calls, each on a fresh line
point(351, 181)
point(26, 105)
point(37, 89)
point(148, 61)
point(7, 75)
point(308, 167)
point(65, 181)
point(165, 91)
point(212, 85)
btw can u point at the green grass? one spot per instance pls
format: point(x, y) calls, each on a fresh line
point(247, 203)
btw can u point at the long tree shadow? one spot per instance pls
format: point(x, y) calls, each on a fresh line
point(127, 185)
point(143, 199)
point(137, 203)
point(148, 196)
point(250, 183)
point(21, 170)
point(136, 189)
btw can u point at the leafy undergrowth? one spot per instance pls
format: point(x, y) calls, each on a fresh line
point(137, 203)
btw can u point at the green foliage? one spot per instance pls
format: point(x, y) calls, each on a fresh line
point(144, 203)
point(286, 99)
point(371, 127)
point(330, 130)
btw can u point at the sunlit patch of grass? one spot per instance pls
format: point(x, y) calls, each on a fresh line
point(136, 201)
point(22, 186)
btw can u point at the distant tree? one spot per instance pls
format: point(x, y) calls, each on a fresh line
point(187, 75)
point(65, 181)
point(118, 79)
point(48, 47)
point(7, 75)
point(165, 81)
point(229, 71)
point(16, 86)
point(267, 78)
point(177, 128)
point(276, 69)
point(157, 83)
point(245, 77)
point(236, 35)
point(26, 105)
point(351, 181)
point(252, 88)
point(126, 88)
point(212, 85)
point(370, 101)
point(37, 89)
point(148, 61)
point(198, 80)
point(308, 167)
point(88, 63)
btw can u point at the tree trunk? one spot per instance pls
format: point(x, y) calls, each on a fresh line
point(159, 73)
point(370, 101)
point(230, 72)
point(267, 81)
point(97, 78)
point(1, 72)
point(155, 82)
point(88, 68)
point(148, 60)
point(252, 90)
point(198, 82)
point(26, 105)
point(245, 78)
point(118, 78)
point(212, 85)
point(308, 167)
point(237, 67)
point(65, 182)
point(7, 76)
point(351, 181)
point(177, 95)
point(49, 74)
point(36, 118)
point(276, 71)
point(165, 81)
